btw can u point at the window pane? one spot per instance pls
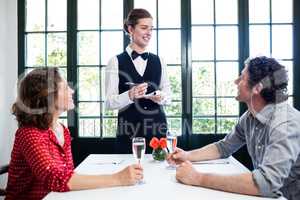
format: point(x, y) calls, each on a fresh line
point(174, 109)
point(88, 14)
point(202, 12)
point(203, 106)
point(291, 101)
point(89, 109)
point(64, 121)
point(259, 39)
point(28, 70)
point(63, 73)
point(174, 125)
point(228, 15)
point(111, 45)
point(203, 43)
point(89, 127)
point(289, 67)
point(109, 112)
point(227, 43)
point(152, 47)
point(227, 72)
point(227, 106)
point(35, 50)
point(282, 11)
point(259, 11)
point(88, 43)
point(149, 5)
point(89, 84)
point(57, 15)
point(205, 125)
point(57, 49)
point(170, 46)
point(109, 127)
point(225, 125)
point(171, 19)
point(102, 81)
point(282, 41)
point(112, 14)
point(35, 15)
point(203, 79)
point(63, 115)
point(174, 76)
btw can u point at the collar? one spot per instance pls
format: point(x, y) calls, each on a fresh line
point(267, 112)
point(129, 50)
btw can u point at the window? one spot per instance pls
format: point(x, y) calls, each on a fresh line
point(45, 37)
point(99, 37)
point(197, 39)
point(271, 32)
point(214, 65)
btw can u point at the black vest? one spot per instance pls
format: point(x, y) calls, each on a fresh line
point(142, 118)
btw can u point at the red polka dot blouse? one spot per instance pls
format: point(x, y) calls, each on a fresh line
point(39, 164)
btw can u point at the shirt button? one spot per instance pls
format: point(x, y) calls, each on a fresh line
point(258, 146)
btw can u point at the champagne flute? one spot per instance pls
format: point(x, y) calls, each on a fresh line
point(138, 150)
point(171, 145)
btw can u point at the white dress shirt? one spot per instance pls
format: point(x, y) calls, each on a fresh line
point(114, 100)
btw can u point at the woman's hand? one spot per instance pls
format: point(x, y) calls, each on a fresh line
point(130, 175)
point(156, 98)
point(138, 91)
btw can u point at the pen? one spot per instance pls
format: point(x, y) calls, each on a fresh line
point(131, 84)
point(212, 163)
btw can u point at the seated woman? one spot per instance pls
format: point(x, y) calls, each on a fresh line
point(41, 159)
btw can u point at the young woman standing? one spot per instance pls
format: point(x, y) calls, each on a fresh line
point(137, 85)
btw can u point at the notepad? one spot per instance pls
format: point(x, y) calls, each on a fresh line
point(157, 92)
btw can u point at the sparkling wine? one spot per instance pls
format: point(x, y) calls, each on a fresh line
point(171, 143)
point(138, 149)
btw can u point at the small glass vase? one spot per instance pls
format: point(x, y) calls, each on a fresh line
point(159, 154)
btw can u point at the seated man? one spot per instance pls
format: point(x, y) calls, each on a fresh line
point(270, 129)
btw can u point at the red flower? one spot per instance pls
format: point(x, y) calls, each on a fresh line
point(163, 143)
point(154, 143)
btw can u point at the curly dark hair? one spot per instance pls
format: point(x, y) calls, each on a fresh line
point(133, 17)
point(37, 93)
point(271, 75)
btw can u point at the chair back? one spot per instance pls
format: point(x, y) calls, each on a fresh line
point(3, 170)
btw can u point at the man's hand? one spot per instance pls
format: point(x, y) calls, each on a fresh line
point(186, 174)
point(177, 157)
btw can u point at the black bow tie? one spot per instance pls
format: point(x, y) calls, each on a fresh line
point(135, 54)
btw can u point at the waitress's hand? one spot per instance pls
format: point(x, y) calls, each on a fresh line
point(156, 98)
point(138, 91)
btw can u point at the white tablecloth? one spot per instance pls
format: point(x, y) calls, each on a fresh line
point(160, 182)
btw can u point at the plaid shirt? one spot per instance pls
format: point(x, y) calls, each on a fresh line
point(39, 164)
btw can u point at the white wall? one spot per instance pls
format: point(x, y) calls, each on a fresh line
point(8, 77)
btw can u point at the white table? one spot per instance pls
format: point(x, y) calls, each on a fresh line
point(160, 182)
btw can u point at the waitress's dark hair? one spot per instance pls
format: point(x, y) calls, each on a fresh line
point(37, 93)
point(272, 76)
point(133, 17)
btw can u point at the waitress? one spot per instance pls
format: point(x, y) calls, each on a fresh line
point(137, 85)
